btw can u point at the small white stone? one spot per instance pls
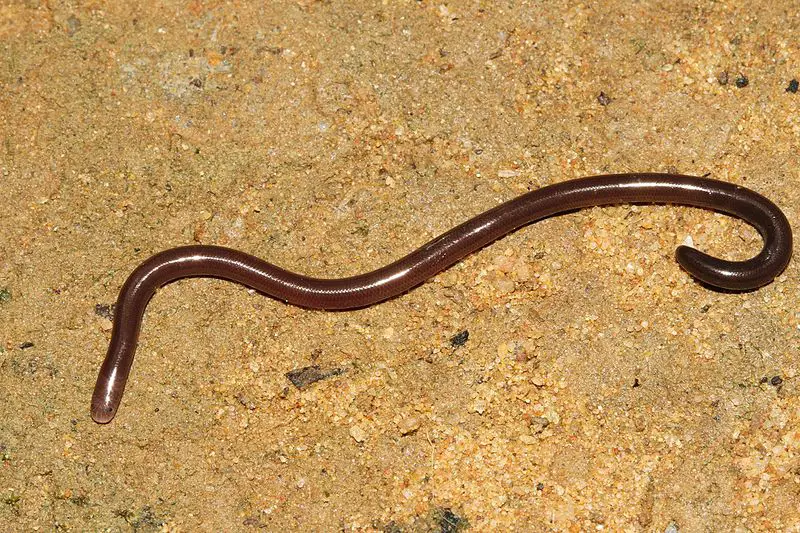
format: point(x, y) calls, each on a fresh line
point(409, 425)
point(507, 173)
point(358, 434)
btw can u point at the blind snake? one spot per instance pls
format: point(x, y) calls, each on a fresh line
point(443, 251)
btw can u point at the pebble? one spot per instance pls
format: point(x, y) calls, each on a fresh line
point(104, 310)
point(522, 271)
point(303, 377)
point(504, 285)
point(504, 263)
point(408, 425)
point(479, 407)
point(358, 433)
point(539, 424)
point(73, 25)
point(459, 339)
point(503, 349)
point(507, 173)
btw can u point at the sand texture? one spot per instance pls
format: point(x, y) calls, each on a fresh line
point(597, 386)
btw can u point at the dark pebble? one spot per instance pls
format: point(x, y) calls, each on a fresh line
point(392, 527)
point(5, 295)
point(794, 85)
point(636, 383)
point(459, 339)
point(776, 381)
point(539, 424)
point(245, 401)
point(742, 81)
point(303, 377)
point(449, 522)
point(73, 25)
point(25, 345)
point(603, 98)
point(540, 486)
point(197, 82)
point(253, 521)
point(765, 379)
point(104, 310)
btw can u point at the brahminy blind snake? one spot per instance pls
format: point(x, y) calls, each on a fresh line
point(443, 251)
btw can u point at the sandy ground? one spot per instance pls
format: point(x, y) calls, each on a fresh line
point(600, 388)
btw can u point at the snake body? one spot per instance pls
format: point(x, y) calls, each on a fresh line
point(443, 251)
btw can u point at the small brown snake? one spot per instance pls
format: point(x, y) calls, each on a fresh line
point(442, 252)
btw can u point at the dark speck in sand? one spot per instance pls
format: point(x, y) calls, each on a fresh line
point(145, 519)
point(449, 522)
point(392, 527)
point(794, 85)
point(742, 81)
point(303, 377)
point(73, 25)
point(253, 521)
point(459, 339)
point(104, 310)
